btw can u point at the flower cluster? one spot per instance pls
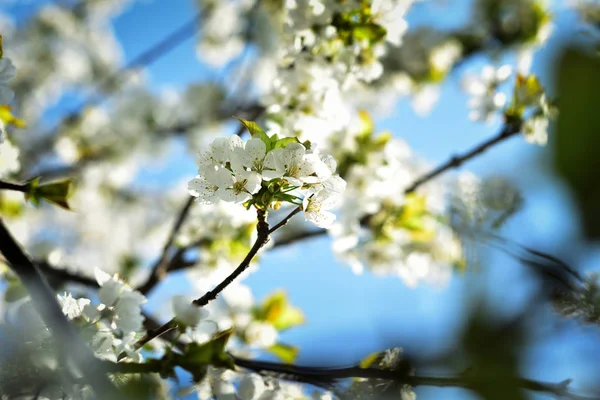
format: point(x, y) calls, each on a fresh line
point(266, 171)
point(115, 324)
point(529, 102)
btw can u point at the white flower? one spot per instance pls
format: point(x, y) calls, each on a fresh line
point(9, 158)
point(295, 165)
point(251, 387)
point(485, 99)
point(7, 72)
point(186, 312)
point(536, 130)
point(205, 186)
point(252, 156)
point(316, 206)
point(239, 187)
point(261, 334)
point(390, 15)
point(71, 307)
point(220, 153)
point(124, 302)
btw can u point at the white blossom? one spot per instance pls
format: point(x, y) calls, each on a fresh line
point(251, 387)
point(71, 307)
point(535, 130)
point(186, 312)
point(486, 100)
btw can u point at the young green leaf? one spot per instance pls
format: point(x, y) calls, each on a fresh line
point(257, 132)
point(284, 352)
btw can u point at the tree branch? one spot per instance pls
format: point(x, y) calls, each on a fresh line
point(263, 238)
point(320, 374)
point(509, 130)
point(161, 267)
point(13, 186)
point(44, 300)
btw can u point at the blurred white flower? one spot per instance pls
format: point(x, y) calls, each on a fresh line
point(186, 312)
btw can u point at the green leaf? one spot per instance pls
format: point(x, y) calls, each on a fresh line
point(277, 311)
point(577, 140)
point(367, 126)
point(369, 31)
point(372, 359)
point(1, 50)
point(284, 352)
point(57, 193)
point(197, 357)
point(257, 132)
point(31, 193)
point(284, 142)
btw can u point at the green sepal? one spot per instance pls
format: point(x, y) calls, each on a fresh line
point(57, 192)
point(369, 31)
point(285, 352)
point(197, 357)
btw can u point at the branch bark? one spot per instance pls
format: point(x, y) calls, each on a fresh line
point(13, 186)
point(161, 267)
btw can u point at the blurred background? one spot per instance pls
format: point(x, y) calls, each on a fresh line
point(496, 312)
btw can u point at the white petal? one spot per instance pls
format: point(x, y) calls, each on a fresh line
point(323, 219)
point(256, 149)
point(268, 174)
point(293, 154)
point(186, 312)
point(241, 197)
point(253, 182)
point(221, 178)
point(101, 276)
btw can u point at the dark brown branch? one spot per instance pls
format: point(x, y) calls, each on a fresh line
point(44, 300)
point(321, 374)
point(508, 131)
point(284, 221)
point(263, 238)
point(161, 267)
point(13, 186)
point(291, 239)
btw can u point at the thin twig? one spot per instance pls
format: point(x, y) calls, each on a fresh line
point(508, 131)
point(46, 304)
point(13, 186)
point(161, 267)
point(284, 221)
point(263, 236)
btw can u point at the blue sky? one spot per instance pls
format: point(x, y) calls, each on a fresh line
point(349, 316)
